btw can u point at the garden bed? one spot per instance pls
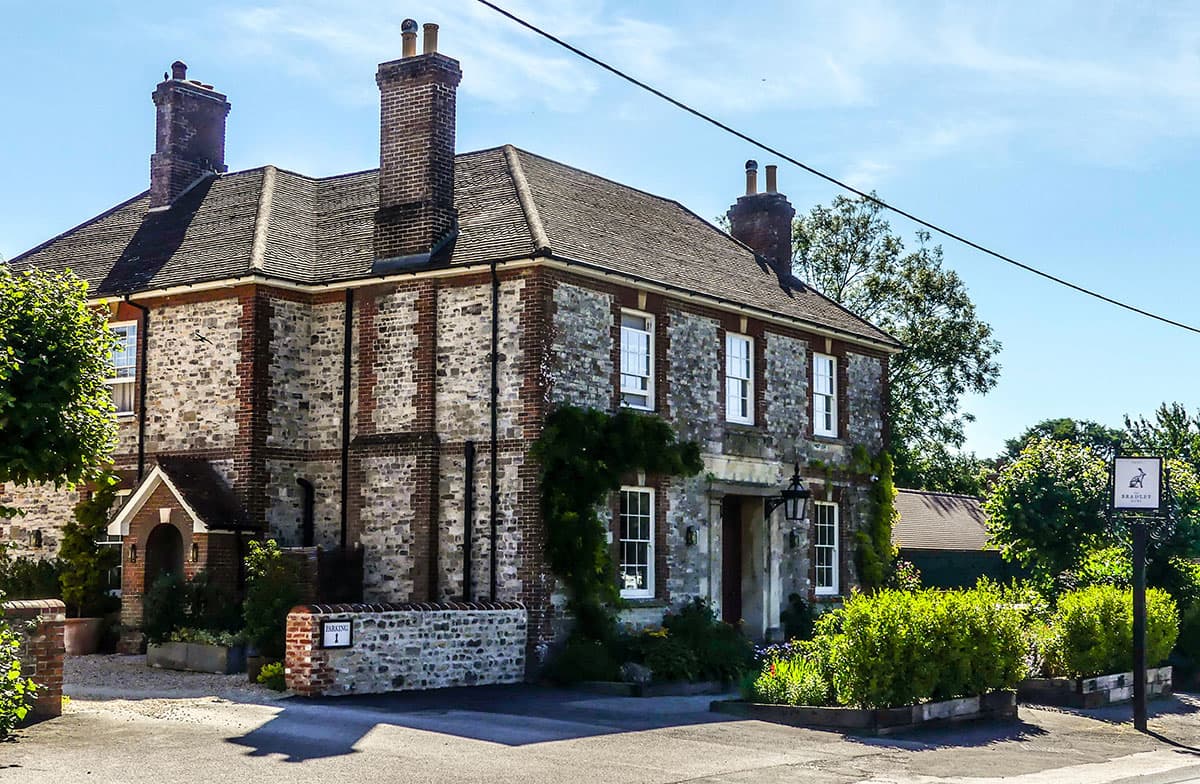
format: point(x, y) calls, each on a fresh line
point(878, 721)
point(668, 689)
point(1093, 692)
point(197, 657)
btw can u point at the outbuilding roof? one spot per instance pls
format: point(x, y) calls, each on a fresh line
point(939, 521)
point(512, 204)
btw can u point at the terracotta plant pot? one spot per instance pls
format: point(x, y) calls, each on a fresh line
point(81, 636)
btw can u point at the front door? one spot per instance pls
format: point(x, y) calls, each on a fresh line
point(731, 559)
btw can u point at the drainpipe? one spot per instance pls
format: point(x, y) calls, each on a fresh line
point(307, 532)
point(347, 345)
point(468, 516)
point(495, 397)
point(142, 366)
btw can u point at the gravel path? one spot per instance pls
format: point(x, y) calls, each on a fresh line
point(109, 677)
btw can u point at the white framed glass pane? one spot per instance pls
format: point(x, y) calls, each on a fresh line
point(825, 547)
point(636, 525)
point(637, 349)
point(123, 393)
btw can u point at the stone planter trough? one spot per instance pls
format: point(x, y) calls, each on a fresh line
point(878, 721)
point(1093, 692)
point(669, 689)
point(195, 657)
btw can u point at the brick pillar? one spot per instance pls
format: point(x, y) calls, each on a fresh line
point(306, 667)
point(40, 624)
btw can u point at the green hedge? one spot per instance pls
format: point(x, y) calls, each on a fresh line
point(1091, 632)
point(894, 648)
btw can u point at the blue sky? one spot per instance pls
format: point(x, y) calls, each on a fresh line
point(1064, 134)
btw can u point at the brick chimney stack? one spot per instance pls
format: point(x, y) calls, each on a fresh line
point(189, 135)
point(763, 220)
point(416, 150)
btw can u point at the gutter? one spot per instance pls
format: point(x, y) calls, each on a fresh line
point(143, 366)
point(347, 346)
point(495, 395)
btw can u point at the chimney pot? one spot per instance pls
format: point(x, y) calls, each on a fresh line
point(771, 178)
point(179, 70)
point(189, 135)
point(763, 221)
point(408, 37)
point(431, 32)
point(751, 177)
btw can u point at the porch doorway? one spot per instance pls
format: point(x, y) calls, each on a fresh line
point(744, 565)
point(164, 552)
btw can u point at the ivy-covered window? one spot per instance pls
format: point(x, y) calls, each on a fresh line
point(637, 360)
point(824, 395)
point(636, 544)
point(124, 361)
point(825, 547)
point(739, 379)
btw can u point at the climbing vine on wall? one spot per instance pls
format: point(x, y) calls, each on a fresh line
point(873, 543)
point(583, 455)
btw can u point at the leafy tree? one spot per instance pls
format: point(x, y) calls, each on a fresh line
point(272, 589)
point(56, 422)
point(85, 563)
point(1171, 433)
point(1047, 508)
point(1104, 441)
point(934, 467)
point(849, 253)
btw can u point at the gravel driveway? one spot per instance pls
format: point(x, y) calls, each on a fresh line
point(107, 677)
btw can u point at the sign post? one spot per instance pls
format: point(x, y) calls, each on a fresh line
point(1138, 492)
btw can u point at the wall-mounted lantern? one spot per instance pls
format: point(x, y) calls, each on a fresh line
point(133, 553)
point(35, 537)
point(793, 499)
point(195, 552)
point(793, 539)
point(690, 536)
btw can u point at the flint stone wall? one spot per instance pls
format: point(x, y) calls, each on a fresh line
point(402, 647)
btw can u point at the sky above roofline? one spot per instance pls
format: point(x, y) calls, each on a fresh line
point(1064, 134)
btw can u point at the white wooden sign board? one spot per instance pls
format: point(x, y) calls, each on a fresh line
point(337, 634)
point(1137, 483)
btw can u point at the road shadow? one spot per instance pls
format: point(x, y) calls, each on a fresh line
point(974, 734)
point(1179, 704)
point(517, 715)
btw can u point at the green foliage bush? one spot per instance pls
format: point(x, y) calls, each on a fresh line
point(23, 577)
point(1092, 631)
point(895, 648)
point(271, 676)
point(583, 659)
point(671, 659)
point(85, 564)
point(205, 637)
point(272, 589)
point(15, 691)
point(1188, 644)
point(164, 607)
point(721, 651)
point(793, 681)
point(797, 619)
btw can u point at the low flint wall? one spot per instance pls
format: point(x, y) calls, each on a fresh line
point(1093, 692)
point(39, 623)
point(399, 647)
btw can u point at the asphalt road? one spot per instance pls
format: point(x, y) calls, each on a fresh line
point(528, 735)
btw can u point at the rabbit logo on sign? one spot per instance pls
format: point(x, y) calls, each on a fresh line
point(1137, 483)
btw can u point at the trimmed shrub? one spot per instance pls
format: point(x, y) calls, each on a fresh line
point(720, 650)
point(272, 590)
point(1092, 631)
point(1188, 643)
point(893, 648)
point(795, 681)
point(271, 676)
point(85, 562)
point(24, 577)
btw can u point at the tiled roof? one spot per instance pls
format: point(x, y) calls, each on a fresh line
point(939, 521)
point(203, 489)
point(511, 204)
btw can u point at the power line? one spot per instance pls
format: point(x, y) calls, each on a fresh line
point(830, 178)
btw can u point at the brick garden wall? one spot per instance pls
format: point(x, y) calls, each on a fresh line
point(39, 624)
point(399, 647)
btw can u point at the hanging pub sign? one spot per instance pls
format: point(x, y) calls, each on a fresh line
point(337, 634)
point(1137, 484)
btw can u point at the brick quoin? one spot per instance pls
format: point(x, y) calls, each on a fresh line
point(42, 651)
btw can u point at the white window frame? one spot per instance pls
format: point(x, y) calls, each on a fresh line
point(116, 380)
point(834, 549)
point(746, 382)
point(648, 591)
point(825, 404)
point(648, 392)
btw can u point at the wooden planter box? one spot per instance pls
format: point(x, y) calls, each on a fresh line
point(670, 689)
point(195, 657)
point(1093, 692)
point(878, 721)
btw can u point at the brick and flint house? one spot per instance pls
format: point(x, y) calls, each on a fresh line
point(363, 361)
